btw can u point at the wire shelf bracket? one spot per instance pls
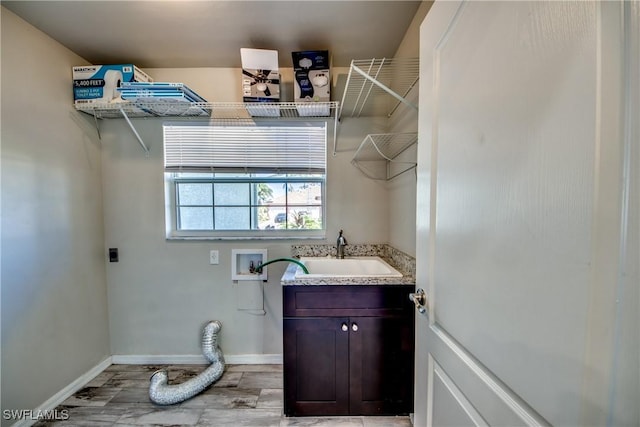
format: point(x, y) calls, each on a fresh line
point(369, 78)
point(135, 132)
point(379, 155)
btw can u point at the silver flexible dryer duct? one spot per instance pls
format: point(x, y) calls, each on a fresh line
point(161, 393)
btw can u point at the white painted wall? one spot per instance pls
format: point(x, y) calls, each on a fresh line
point(67, 197)
point(402, 189)
point(162, 292)
point(54, 299)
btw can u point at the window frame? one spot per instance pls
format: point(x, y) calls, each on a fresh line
point(172, 209)
point(277, 169)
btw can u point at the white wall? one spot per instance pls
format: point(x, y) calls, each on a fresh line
point(67, 197)
point(402, 189)
point(54, 301)
point(162, 292)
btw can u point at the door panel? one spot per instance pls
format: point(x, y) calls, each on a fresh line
point(495, 403)
point(521, 213)
point(454, 409)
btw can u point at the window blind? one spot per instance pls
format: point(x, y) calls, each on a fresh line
point(192, 147)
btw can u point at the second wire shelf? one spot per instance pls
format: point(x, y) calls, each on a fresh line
point(380, 156)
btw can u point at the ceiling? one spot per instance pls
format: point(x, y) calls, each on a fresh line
point(210, 33)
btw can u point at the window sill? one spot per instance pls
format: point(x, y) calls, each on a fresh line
point(247, 238)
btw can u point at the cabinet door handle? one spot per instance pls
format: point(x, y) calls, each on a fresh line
point(354, 327)
point(345, 327)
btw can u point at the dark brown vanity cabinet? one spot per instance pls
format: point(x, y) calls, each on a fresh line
point(348, 350)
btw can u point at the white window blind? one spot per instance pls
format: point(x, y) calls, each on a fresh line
point(292, 148)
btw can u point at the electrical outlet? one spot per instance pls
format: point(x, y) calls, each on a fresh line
point(214, 257)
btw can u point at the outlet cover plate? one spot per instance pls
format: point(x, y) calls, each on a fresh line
point(214, 257)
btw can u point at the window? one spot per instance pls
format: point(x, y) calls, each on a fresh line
point(245, 181)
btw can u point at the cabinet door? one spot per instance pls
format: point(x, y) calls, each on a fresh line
point(381, 365)
point(316, 367)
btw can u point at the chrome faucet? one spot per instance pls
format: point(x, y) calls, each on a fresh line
point(340, 244)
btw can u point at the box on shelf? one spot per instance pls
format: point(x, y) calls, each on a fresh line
point(99, 83)
point(311, 75)
point(164, 98)
point(260, 75)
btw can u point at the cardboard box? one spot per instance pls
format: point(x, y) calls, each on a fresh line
point(99, 83)
point(312, 80)
point(260, 75)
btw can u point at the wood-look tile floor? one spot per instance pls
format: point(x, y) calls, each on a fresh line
point(246, 395)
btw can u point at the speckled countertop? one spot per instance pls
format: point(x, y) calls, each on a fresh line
point(397, 259)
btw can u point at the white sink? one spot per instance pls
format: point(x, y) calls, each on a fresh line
point(367, 266)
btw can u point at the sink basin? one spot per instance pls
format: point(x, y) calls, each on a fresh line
point(367, 266)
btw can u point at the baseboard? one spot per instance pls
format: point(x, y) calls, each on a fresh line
point(194, 359)
point(253, 359)
point(158, 359)
point(65, 393)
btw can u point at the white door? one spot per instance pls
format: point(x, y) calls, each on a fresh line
point(527, 212)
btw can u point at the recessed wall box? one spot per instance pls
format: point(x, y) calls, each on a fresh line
point(244, 263)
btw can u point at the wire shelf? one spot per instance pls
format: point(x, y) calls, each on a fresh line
point(229, 112)
point(376, 87)
point(379, 155)
point(214, 110)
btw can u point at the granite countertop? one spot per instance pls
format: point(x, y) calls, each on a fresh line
point(397, 259)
